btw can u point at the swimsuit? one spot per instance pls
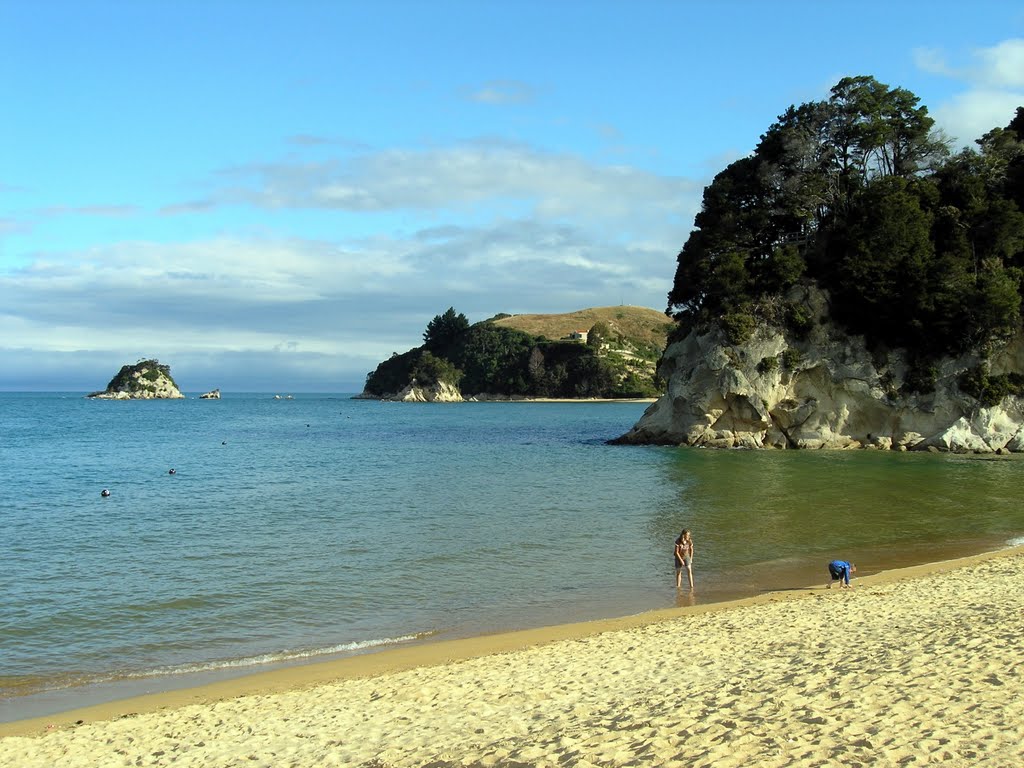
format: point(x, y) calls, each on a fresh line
point(686, 558)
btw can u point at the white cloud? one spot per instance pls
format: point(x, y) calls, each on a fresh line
point(191, 206)
point(89, 210)
point(466, 176)
point(969, 115)
point(932, 60)
point(340, 308)
point(502, 92)
point(1001, 66)
point(994, 80)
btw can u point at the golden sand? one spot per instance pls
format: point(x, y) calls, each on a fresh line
point(918, 666)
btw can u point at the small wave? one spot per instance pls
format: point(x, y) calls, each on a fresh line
point(277, 658)
point(1017, 541)
point(176, 604)
point(21, 685)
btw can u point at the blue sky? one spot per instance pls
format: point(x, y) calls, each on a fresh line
point(275, 196)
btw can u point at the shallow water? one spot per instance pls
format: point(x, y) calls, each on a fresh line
point(295, 529)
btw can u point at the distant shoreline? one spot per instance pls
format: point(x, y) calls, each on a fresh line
point(571, 400)
point(515, 399)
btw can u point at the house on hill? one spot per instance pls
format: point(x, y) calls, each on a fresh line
point(578, 336)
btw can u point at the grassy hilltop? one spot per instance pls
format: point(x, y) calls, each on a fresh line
point(642, 327)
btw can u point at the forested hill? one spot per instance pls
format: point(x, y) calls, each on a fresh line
point(917, 247)
point(601, 352)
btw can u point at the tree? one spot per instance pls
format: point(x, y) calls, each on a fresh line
point(537, 373)
point(598, 334)
point(877, 131)
point(882, 261)
point(430, 370)
point(858, 195)
point(393, 374)
point(444, 332)
point(731, 232)
point(1002, 152)
point(995, 303)
point(754, 233)
point(493, 359)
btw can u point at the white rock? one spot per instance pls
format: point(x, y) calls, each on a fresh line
point(440, 392)
point(838, 395)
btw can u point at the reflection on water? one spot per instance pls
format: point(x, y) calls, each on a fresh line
point(685, 597)
point(772, 519)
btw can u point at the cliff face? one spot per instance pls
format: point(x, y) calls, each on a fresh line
point(435, 393)
point(826, 391)
point(146, 380)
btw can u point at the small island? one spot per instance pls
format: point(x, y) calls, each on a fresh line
point(146, 380)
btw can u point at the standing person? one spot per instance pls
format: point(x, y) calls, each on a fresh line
point(840, 571)
point(684, 558)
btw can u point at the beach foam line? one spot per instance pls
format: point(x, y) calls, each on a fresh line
point(70, 682)
point(272, 658)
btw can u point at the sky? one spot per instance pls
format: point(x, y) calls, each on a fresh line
point(277, 196)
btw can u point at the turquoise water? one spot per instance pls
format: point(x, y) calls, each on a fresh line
point(298, 529)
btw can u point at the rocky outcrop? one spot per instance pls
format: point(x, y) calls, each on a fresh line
point(440, 392)
point(824, 391)
point(146, 380)
point(211, 395)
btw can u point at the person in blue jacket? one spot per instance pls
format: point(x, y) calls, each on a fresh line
point(840, 571)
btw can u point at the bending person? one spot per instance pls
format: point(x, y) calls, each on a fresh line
point(840, 571)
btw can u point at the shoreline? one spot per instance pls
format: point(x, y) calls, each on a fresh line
point(427, 658)
point(54, 703)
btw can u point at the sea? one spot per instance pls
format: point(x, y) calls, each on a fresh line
point(268, 529)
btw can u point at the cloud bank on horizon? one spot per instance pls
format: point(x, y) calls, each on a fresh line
point(276, 197)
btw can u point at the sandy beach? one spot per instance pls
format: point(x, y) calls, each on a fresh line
point(917, 666)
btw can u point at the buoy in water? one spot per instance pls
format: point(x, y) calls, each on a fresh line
point(104, 493)
point(171, 471)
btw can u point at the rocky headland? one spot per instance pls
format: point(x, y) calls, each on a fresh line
point(146, 380)
point(827, 390)
point(596, 353)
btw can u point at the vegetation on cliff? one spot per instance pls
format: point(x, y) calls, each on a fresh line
point(494, 357)
point(146, 378)
point(917, 248)
point(146, 370)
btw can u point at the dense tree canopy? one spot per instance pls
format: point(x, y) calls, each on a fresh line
point(444, 332)
point(917, 248)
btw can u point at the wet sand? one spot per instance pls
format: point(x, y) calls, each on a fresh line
point(913, 666)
